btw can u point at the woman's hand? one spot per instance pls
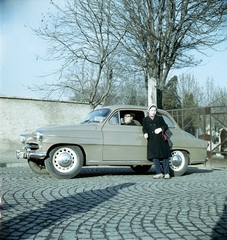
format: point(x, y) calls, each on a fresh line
point(145, 135)
point(157, 130)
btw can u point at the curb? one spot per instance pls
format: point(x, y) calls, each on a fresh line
point(214, 163)
point(2, 165)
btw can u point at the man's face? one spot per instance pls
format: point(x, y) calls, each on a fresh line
point(127, 118)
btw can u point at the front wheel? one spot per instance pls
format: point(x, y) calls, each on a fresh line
point(140, 169)
point(178, 163)
point(64, 162)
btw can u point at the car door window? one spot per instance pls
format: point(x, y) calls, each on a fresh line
point(137, 116)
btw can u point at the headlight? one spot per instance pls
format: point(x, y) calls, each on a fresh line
point(39, 136)
point(22, 138)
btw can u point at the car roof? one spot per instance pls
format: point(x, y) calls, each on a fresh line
point(134, 107)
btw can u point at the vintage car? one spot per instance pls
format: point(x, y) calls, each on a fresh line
point(102, 140)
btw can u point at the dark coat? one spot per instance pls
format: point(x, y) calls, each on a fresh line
point(156, 147)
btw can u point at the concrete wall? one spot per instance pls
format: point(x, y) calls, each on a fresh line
point(21, 115)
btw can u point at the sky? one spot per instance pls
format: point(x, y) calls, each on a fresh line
point(19, 48)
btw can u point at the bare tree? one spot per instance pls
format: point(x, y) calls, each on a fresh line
point(81, 38)
point(162, 32)
point(187, 85)
point(96, 40)
point(203, 96)
point(132, 91)
point(214, 95)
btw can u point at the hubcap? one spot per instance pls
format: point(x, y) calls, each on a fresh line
point(64, 159)
point(176, 160)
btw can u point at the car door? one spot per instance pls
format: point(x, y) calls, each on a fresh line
point(123, 142)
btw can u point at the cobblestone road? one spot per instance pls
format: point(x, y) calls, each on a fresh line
point(113, 204)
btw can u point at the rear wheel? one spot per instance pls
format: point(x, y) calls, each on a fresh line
point(37, 166)
point(64, 162)
point(140, 169)
point(178, 163)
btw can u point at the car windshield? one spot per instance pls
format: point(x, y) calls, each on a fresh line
point(97, 116)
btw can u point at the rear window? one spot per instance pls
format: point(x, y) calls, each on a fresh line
point(168, 121)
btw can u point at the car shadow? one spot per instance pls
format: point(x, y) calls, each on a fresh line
point(194, 170)
point(104, 171)
point(31, 222)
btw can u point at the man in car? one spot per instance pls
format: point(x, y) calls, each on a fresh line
point(128, 119)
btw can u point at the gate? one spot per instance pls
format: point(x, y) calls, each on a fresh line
point(207, 123)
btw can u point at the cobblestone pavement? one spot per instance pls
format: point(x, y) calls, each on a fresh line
point(113, 204)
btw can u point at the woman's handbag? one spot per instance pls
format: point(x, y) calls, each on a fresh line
point(164, 136)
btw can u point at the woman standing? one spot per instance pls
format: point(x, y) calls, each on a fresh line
point(157, 149)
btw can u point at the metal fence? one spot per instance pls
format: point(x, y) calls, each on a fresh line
point(208, 123)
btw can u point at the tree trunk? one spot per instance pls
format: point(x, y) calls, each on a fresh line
point(159, 98)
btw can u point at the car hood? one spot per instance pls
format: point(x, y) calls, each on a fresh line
point(72, 127)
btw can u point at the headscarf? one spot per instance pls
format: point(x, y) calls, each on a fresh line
point(150, 106)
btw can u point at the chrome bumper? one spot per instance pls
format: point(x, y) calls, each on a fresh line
point(29, 154)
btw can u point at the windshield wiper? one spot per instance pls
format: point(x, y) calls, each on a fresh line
point(86, 121)
point(90, 121)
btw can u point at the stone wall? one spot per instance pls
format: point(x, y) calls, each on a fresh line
point(22, 115)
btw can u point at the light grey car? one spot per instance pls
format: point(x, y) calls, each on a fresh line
point(102, 140)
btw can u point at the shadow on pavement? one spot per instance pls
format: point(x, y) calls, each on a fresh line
point(105, 171)
point(127, 171)
point(220, 229)
point(194, 170)
point(29, 223)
